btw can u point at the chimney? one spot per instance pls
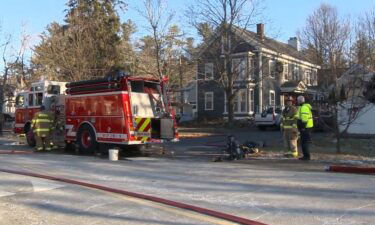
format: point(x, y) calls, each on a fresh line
point(294, 42)
point(260, 30)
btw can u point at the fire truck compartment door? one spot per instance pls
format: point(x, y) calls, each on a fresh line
point(166, 129)
point(142, 105)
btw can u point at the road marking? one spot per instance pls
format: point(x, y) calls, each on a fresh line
point(173, 210)
point(40, 185)
point(5, 193)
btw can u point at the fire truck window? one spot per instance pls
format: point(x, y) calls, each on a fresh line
point(137, 86)
point(31, 99)
point(53, 89)
point(20, 100)
point(38, 88)
point(39, 99)
point(152, 87)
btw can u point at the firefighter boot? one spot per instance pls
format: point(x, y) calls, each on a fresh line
point(47, 143)
point(53, 146)
point(289, 154)
point(39, 143)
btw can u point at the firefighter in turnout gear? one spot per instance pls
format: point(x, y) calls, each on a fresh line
point(289, 127)
point(42, 126)
point(305, 123)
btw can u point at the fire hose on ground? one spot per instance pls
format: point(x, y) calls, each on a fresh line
point(180, 205)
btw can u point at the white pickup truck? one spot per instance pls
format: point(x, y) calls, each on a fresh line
point(270, 117)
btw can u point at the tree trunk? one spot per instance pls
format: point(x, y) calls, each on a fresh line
point(337, 131)
point(181, 86)
point(338, 144)
point(1, 109)
point(230, 106)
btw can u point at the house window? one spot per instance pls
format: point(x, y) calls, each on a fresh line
point(225, 45)
point(272, 68)
point(314, 77)
point(295, 72)
point(308, 78)
point(209, 71)
point(290, 72)
point(286, 71)
point(242, 100)
point(209, 101)
point(251, 100)
point(239, 68)
point(251, 68)
point(272, 99)
point(239, 102)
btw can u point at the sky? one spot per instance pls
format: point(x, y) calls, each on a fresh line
point(284, 17)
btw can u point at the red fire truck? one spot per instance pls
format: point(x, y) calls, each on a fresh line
point(118, 110)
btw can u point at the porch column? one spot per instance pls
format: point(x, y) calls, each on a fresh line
point(260, 82)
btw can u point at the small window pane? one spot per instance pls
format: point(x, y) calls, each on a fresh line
point(272, 98)
point(251, 98)
point(243, 101)
point(209, 71)
point(31, 99)
point(53, 89)
point(38, 99)
point(209, 104)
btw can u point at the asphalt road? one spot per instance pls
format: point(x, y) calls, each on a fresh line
point(267, 191)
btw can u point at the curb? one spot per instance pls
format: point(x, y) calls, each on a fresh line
point(14, 152)
point(351, 169)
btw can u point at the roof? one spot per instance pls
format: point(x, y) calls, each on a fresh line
point(271, 44)
point(290, 84)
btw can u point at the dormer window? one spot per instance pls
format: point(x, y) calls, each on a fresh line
point(209, 71)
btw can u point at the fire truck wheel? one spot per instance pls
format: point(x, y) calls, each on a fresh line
point(86, 140)
point(30, 138)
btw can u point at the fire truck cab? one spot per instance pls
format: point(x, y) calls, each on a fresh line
point(28, 102)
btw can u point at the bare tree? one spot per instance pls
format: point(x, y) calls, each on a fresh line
point(347, 103)
point(10, 57)
point(159, 19)
point(227, 17)
point(364, 46)
point(326, 35)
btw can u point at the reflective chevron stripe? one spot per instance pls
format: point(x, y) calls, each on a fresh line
point(142, 129)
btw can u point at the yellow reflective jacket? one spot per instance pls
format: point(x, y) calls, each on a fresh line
point(42, 124)
point(305, 115)
point(289, 117)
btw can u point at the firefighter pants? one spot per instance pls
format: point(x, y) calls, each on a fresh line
point(290, 141)
point(43, 143)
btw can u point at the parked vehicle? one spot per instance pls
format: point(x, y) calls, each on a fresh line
point(270, 117)
point(117, 111)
